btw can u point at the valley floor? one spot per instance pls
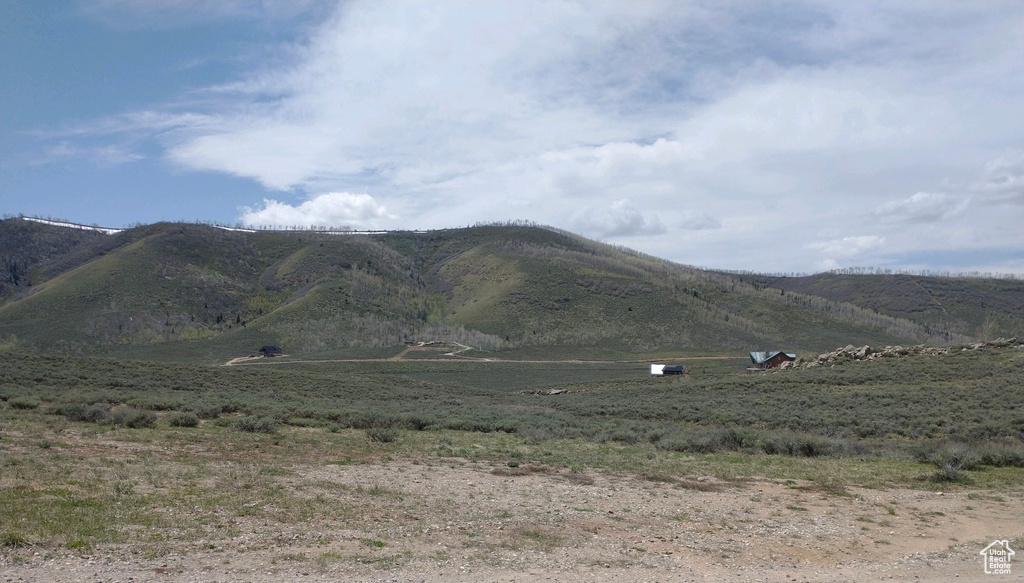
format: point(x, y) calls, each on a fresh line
point(454, 520)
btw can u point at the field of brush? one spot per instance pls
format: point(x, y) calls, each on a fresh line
point(942, 421)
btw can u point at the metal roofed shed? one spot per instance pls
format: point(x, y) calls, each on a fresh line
point(764, 360)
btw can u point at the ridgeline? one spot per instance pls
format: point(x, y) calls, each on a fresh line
point(197, 292)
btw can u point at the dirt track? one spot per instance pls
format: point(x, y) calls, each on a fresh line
point(455, 356)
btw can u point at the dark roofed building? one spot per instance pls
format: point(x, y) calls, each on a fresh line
point(270, 350)
point(658, 370)
point(764, 360)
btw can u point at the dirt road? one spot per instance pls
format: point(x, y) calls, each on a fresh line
point(456, 356)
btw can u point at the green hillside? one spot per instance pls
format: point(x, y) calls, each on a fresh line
point(985, 308)
point(196, 292)
point(31, 252)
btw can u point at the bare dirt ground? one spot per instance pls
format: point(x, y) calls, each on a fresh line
point(451, 520)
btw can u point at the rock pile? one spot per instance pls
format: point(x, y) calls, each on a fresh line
point(851, 352)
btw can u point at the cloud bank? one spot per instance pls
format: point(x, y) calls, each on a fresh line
point(619, 220)
point(923, 207)
point(332, 209)
point(693, 131)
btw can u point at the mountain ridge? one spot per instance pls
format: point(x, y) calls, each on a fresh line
point(495, 287)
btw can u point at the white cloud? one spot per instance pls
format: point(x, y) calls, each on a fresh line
point(332, 209)
point(698, 130)
point(101, 156)
point(693, 221)
point(620, 219)
point(802, 114)
point(847, 246)
point(295, 153)
point(583, 171)
point(923, 207)
point(1002, 181)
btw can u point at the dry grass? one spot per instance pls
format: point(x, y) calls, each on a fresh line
point(74, 487)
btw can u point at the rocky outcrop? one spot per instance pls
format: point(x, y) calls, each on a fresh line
point(853, 353)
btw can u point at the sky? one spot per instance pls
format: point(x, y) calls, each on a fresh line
point(776, 137)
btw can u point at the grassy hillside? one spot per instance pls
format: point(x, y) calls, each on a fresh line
point(985, 308)
point(195, 292)
point(31, 252)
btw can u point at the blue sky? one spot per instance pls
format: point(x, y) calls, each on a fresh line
point(792, 137)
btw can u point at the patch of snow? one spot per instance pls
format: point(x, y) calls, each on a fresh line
point(104, 230)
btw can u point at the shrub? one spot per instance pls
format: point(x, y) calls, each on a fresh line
point(361, 420)
point(949, 474)
point(688, 442)
point(185, 419)
point(134, 418)
point(97, 413)
point(382, 434)
point(68, 410)
point(781, 442)
point(619, 434)
point(416, 422)
point(736, 438)
point(463, 424)
point(708, 440)
point(950, 457)
point(953, 458)
point(80, 412)
point(254, 424)
point(302, 422)
point(1001, 455)
point(801, 444)
point(208, 410)
point(23, 403)
point(155, 402)
point(534, 435)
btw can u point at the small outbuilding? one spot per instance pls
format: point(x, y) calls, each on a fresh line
point(658, 370)
point(764, 360)
point(271, 351)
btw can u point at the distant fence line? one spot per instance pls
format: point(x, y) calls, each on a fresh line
point(923, 272)
point(238, 227)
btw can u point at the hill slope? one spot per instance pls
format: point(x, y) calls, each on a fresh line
point(198, 290)
point(986, 308)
